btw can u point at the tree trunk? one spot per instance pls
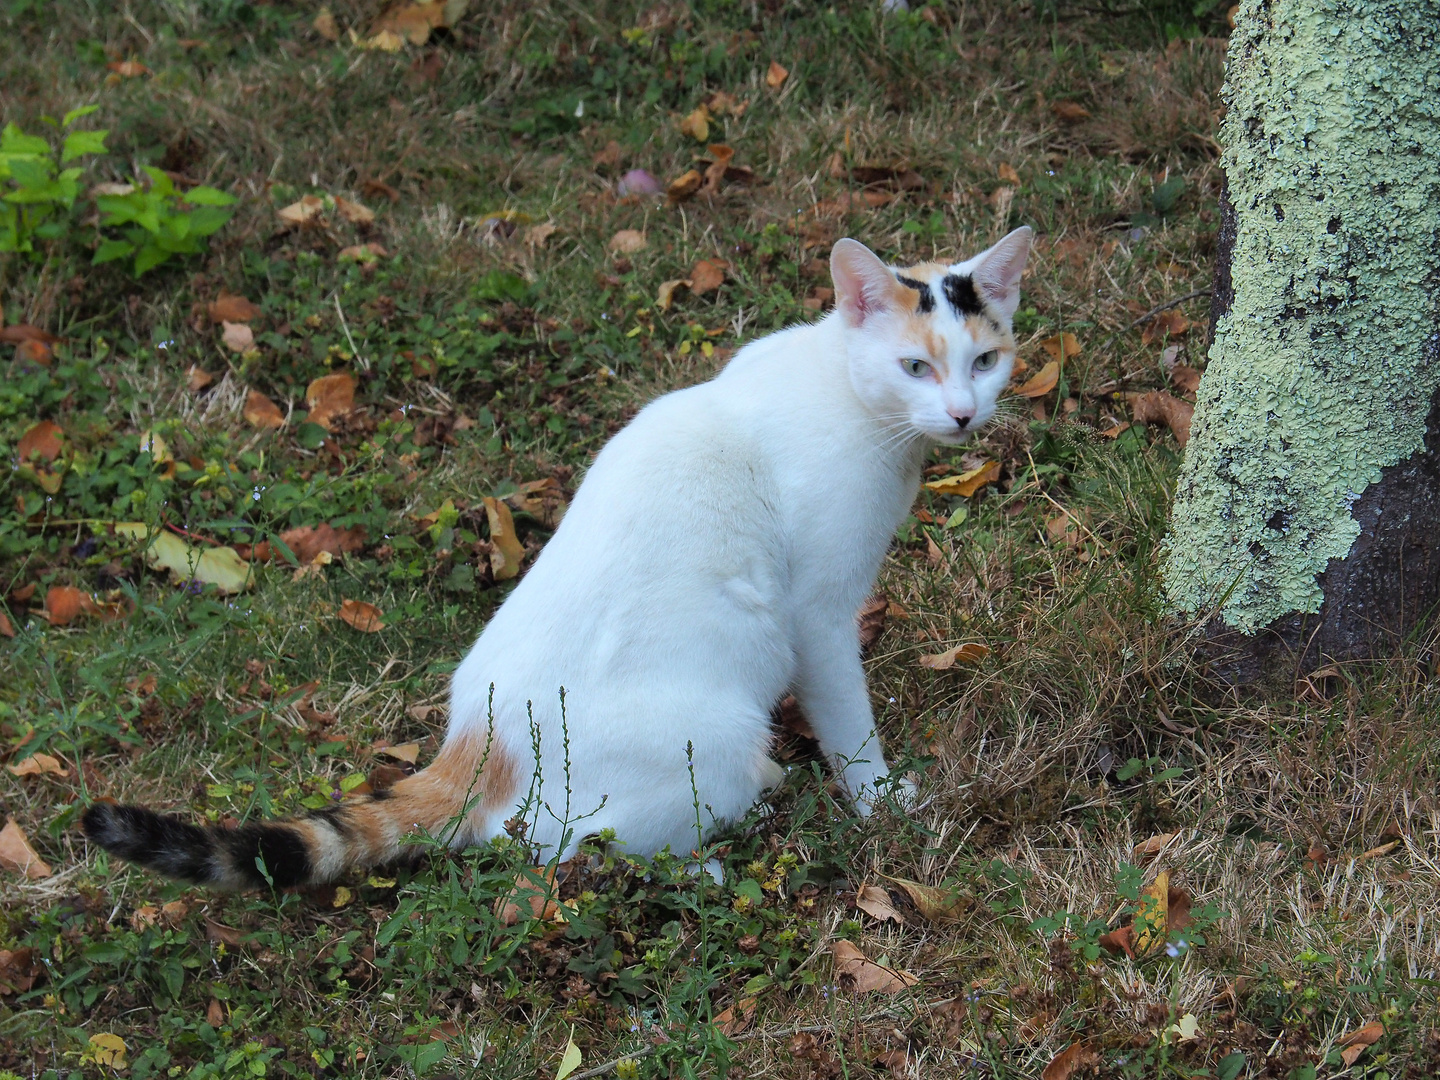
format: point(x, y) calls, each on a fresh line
point(1306, 523)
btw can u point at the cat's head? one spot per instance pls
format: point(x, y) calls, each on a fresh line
point(930, 346)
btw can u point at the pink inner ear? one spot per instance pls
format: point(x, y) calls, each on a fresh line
point(861, 281)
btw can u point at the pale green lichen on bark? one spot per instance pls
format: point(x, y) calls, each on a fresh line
point(1318, 376)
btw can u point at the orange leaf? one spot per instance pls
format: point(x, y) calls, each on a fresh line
point(128, 69)
point(303, 211)
point(1355, 1043)
point(697, 125)
point(707, 275)
point(197, 379)
point(1185, 378)
point(362, 616)
point(776, 75)
point(1167, 324)
point(329, 397)
point(1119, 940)
point(1148, 849)
point(261, 412)
point(1158, 407)
point(14, 335)
point(684, 186)
point(537, 895)
point(1071, 113)
point(19, 968)
point(857, 972)
point(16, 853)
point(7, 629)
point(34, 352)
point(1008, 174)
point(967, 483)
point(506, 549)
point(65, 603)
point(38, 764)
point(43, 442)
point(735, 1019)
point(354, 212)
point(972, 652)
point(1042, 382)
point(1062, 346)
point(1070, 1061)
point(308, 541)
point(229, 307)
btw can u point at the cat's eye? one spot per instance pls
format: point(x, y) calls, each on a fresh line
point(985, 361)
point(917, 368)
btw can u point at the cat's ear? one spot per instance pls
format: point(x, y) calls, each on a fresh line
point(997, 277)
point(864, 286)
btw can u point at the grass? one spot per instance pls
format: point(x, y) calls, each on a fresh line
point(483, 362)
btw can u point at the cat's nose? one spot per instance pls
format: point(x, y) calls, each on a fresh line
point(963, 418)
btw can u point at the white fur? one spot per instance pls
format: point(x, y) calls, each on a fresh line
point(714, 557)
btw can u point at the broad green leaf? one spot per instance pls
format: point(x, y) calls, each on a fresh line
point(15, 141)
point(205, 220)
point(75, 114)
point(160, 182)
point(31, 172)
point(110, 250)
point(149, 257)
point(208, 196)
point(82, 142)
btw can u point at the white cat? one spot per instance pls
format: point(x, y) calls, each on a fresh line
point(714, 557)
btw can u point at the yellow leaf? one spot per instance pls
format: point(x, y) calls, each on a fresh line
point(1042, 382)
point(108, 1050)
point(218, 566)
point(1152, 915)
point(17, 854)
point(665, 298)
point(367, 618)
point(935, 904)
point(407, 752)
point(967, 483)
point(303, 211)
point(343, 896)
point(38, 765)
point(1061, 346)
point(776, 75)
point(570, 1059)
point(506, 549)
point(972, 652)
point(697, 125)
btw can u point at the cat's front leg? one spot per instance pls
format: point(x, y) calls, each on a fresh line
point(830, 689)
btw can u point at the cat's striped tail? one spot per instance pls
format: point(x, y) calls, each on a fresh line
point(451, 799)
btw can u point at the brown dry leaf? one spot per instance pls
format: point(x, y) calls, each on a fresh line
point(309, 541)
point(723, 103)
point(627, 241)
point(896, 1062)
point(324, 25)
point(1119, 940)
point(1062, 346)
point(224, 935)
point(7, 628)
point(972, 652)
point(128, 69)
point(536, 235)
point(231, 308)
point(1186, 379)
point(34, 352)
point(19, 968)
point(38, 764)
point(414, 22)
point(303, 211)
point(776, 75)
point(1070, 112)
point(1007, 173)
point(1042, 382)
point(329, 397)
point(1152, 915)
point(536, 890)
point(1064, 529)
point(506, 549)
point(354, 212)
point(42, 442)
point(215, 1014)
point(791, 719)
point(18, 332)
point(707, 275)
point(1355, 1043)
point(16, 853)
point(368, 253)
point(684, 186)
point(697, 125)
point(875, 901)
point(197, 379)
point(855, 971)
point(871, 621)
point(367, 618)
point(238, 337)
point(1167, 324)
point(967, 483)
point(1116, 430)
point(1148, 849)
point(65, 603)
point(665, 297)
point(938, 905)
point(1377, 852)
point(1158, 407)
point(407, 752)
point(1070, 1061)
point(261, 412)
point(735, 1019)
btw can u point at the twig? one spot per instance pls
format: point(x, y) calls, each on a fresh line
point(1152, 313)
point(354, 351)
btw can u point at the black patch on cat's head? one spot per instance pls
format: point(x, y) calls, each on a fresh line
point(927, 298)
point(960, 292)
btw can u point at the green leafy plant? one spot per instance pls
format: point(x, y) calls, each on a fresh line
point(42, 191)
point(159, 221)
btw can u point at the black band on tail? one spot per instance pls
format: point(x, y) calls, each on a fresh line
point(205, 856)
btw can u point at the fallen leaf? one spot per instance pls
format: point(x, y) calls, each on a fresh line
point(1120, 940)
point(1158, 407)
point(354, 212)
point(1061, 346)
point(108, 1050)
point(414, 22)
point(875, 902)
point(231, 308)
point(144, 916)
point(197, 379)
point(16, 853)
point(329, 397)
point(697, 125)
point(536, 235)
point(1042, 382)
point(627, 241)
point(7, 628)
point(238, 337)
point(1008, 174)
point(1356, 1042)
point(261, 412)
point(791, 719)
point(1064, 529)
point(1166, 324)
point(128, 69)
point(367, 618)
point(536, 890)
point(19, 968)
point(1151, 916)
point(41, 442)
point(871, 621)
point(1071, 113)
point(223, 935)
point(665, 297)
point(506, 549)
point(309, 541)
point(1377, 852)
point(570, 1058)
point(967, 483)
point(896, 1062)
point(1116, 430)
point(303, 211)
point(1070, 1061)
point(1316, 857)
point(970, 653)
point(736, 1018)
point(38, 764)
point(34, 352)
point(723, 103)
point(65, 603)
point(1185, 378)
point(324, 25)
point(378, 188)
point(776, 75)
point(407, 752)
point(217, 565)
point(683, 186)
point(215, 1014)
point(707, 275)
point(1148, 849)
point(20, 332)
point(363, 253)
point(174, 912)
point(938, 905)
point(855, 971)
